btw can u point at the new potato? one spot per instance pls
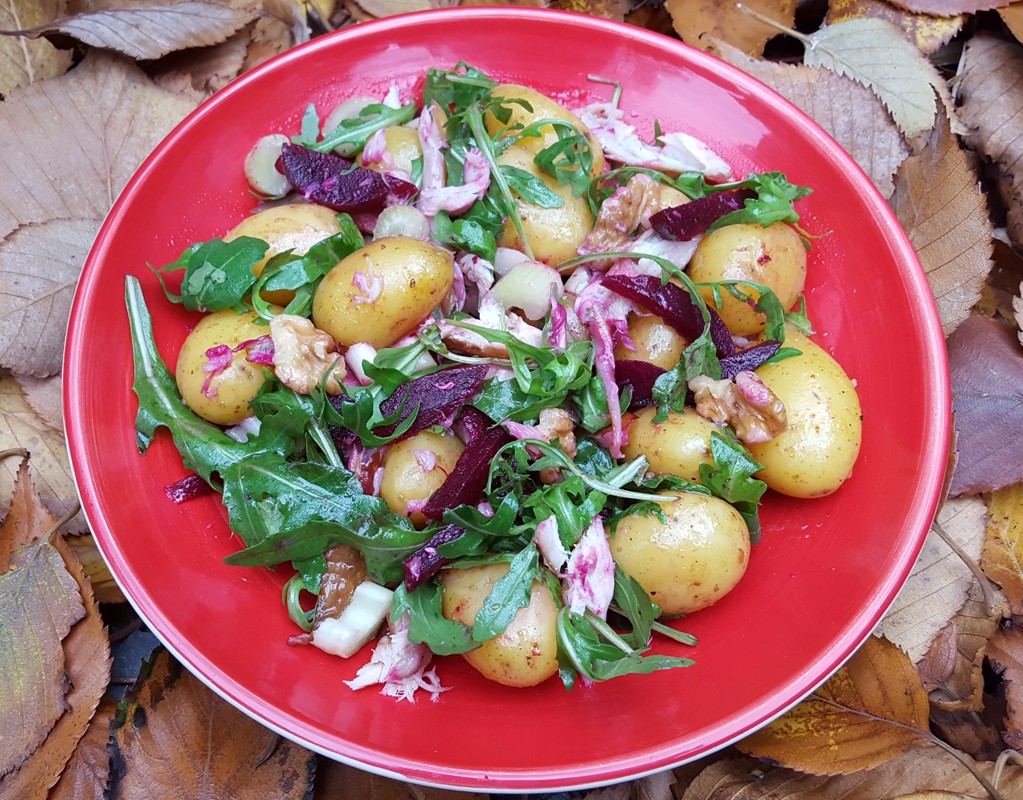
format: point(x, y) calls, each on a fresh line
point(773, 256)
point(233, 388)
point(816, 453)
point(654, 342)
point(676, 446)
point(526, 653)
point(690, 561)
point(404, 477)
point(414, 277)
point(295, 226)
point(554, 234)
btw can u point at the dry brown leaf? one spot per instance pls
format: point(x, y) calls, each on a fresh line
point(522, 3)
point(968, 732)
point(117, 114)
point(1005, 652)
point(608, 9)
point(1012, 16)
point(156, 746)
point(39, 602)
point(23, 61)
point(388, 8)
point(653, 17)
point(39, 269)
point(205, 69)
point(1003, 546)
point(698, 21)
point(26, 519)
point(1002, 287)
point(21, 427)
point(46, 398)
point(928, 32)
point(271, 36)
point(334, 779)
point(952, 670)
point(940, 204)
point(871, 710)
point(948, 8)
point(104, 587)
point(848, 110)
point(991, 91)
point(940, 581)
point(149, 31)
point(85, 776)
point(87, 665)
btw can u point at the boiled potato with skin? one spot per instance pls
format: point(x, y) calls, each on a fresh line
point(554, 234)
point(402, 143)
point(816, 453)
point(654, 341)
point(407, 279)
point(295, 226)
point(690, 561)
point(405, 475)
point(526, 653)
point(676, 446)
point(773, 256)
point(543, 108)
point(231, 389)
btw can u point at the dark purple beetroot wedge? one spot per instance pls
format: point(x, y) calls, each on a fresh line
point(340, 184)
point(684, 222)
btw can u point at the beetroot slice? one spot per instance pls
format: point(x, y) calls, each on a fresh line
point(426, 561)
point(438, 395)
point(338, 183)
point(468, 480)
point(640, 375)
point(188, 488)
point(672, 304)
point(748, 359)
point(682, 223)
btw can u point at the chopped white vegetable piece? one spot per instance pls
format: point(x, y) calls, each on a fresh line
point(345, 635)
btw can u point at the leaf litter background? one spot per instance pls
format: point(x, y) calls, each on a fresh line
point(927, 95)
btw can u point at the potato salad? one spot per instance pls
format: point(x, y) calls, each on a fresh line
point(488, 377)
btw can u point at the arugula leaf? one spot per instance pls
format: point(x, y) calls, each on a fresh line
point(465, 234)
point(356, 131)
point(458, 88)
point(633, 603)
point(295, 511)
point(799, 319)
point(530, 188)
point(205, 449)
point(427, 625)
point(731, 479)
point(569, 159)
point(501, 400)
point(773, 203)
point(218, 274)
point(472, 520)
point(510, 593)
point(309, 131)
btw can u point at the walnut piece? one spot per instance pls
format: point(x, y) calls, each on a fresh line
point(620, 215)
point(555, 423)
point(303, 355)
point(748, 405)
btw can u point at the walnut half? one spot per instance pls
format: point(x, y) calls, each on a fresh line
point(303, 355)
point(748, 405)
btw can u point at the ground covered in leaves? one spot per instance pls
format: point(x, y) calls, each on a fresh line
point(927, 95)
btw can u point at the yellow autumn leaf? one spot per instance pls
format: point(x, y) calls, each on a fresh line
point(927, 32)
point(1002, 559)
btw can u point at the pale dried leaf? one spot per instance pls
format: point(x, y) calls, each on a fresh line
point(697, 21)
point(940, 581)
point(1002, 559)
point(877, 54)
point(150, 31)
point(39, 602)
point(991, 92)
point(848, 110)
point(87, 664)
point(270, 37)
point(921, 769)
point(571, 5)
point(952, 670)
point(926, 31)
point(23, 61)
point(205, 69)
point(46, 397)
point(117, 115)
point(948, 8)
point(943, 210)
point(872, 709)
point(85, 776)
point(1017, 308)
point(1005, 652)
point(26, 518)
point(21, 427)
point(388, 8)
point(39, 269)
point(173, 721)
point(104, 587)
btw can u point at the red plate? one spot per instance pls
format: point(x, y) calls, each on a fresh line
point(822, 577)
